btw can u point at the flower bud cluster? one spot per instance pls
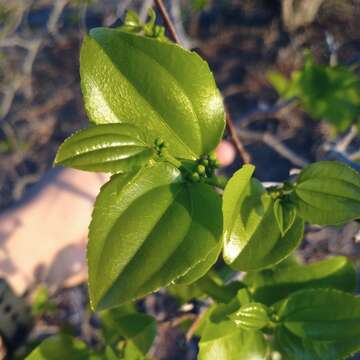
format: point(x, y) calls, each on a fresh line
point(160, 146)
point(204, 168)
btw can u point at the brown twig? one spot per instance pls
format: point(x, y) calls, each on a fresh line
point(167, 21)
point(193, 327)
point(177, 321)
point(275, 144)
point(245, 156)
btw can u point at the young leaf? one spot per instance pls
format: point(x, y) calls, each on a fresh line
point(252, 238)
point(294, 347)
point(226, 341)
point(233, 195)
point(327, 193)
point(281, 84)
point(285, 215)
point(148, 228)
point(132, 22)
point(155, 85)
point(321, 314)
point(252, 316)
point(106, 148)
point(331, 93)
point(271, 285)
point(60, 347)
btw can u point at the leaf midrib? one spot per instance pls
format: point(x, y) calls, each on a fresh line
point(192, 107)
point(159, 115)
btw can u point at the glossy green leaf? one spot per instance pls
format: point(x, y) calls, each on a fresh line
point(328, 193)
point(251, 316)
point(294, 347)
point(200, 269)
point(233, 196)
point(60, 347)
point(215, 288)
point(252, 238)
point(226, 341)
point(321, 314)
point(223, 311)
point(271, 285)
point(155, 85)
point(106, 148)
point(148, 228)
point(285, 215)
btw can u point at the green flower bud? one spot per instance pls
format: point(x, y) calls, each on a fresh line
point(201, 169)
point(212, 156)
point(195, 177)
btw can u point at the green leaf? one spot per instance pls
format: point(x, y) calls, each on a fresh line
point(132, 22)
point(216, 289)
point(233, 195)
point(110, 318)
point(138, 328)
point(329, 93)
point(279, 82)
point(200, 269)
point(271, 285)
point(321, 314)
point(224, 311)
point(328, 193)
point(226, 341)
point(294, 347)
point(109, 354)
point(199, 5)
point(285, 215)
point(106, 148)
point(148, 228)
point(131, 352)
point(252, 316)
point(60, 347)
point(252, 238)
point(42, 303)
point(184, 293)
point(155, 85)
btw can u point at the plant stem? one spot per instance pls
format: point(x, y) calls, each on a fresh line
point(245, 156)
point(169, 158)
point(167, 21)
